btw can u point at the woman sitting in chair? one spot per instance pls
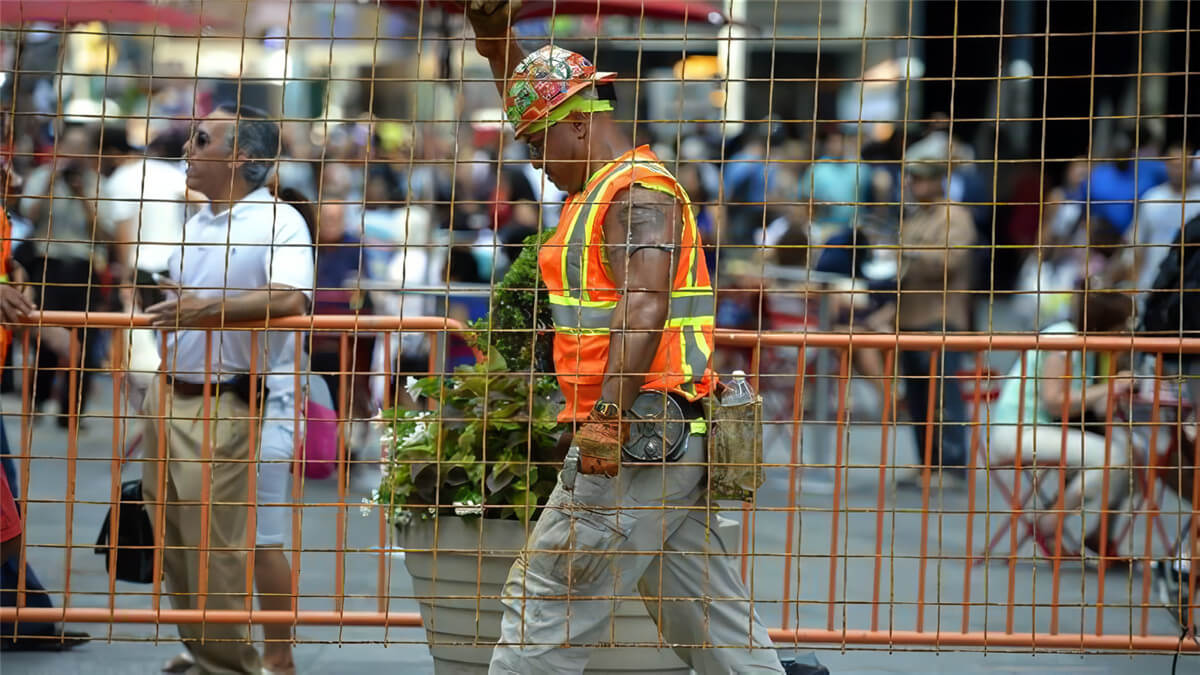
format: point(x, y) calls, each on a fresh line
point(1028, 418)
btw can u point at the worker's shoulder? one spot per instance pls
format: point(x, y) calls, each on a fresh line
point(641, 196)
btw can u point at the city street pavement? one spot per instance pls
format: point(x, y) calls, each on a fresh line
point(137, 649)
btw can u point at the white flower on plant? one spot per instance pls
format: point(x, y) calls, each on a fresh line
point(367, 505)
point(387, 441)
point(418, 433)
point(468, 507)
point(403, 517)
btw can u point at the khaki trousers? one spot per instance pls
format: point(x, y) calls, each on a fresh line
point(216, 647)
point(647, 531)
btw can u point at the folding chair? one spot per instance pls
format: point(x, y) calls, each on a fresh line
point(1149, 457)
point(1020, 516)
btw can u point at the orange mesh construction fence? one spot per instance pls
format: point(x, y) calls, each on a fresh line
point(869, 328)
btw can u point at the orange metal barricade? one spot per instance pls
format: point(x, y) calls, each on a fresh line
point(848, 611)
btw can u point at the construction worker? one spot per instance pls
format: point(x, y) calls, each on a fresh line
point(633, 314)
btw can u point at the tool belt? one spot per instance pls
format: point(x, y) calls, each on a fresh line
point(660, 425)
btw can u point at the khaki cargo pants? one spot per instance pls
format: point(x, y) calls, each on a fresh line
point(216, 647)
point(601, 538)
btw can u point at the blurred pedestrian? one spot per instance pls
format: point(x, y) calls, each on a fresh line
point(245, 257)
point(749, 177)
point(934, 277)
point(144, 199)
point(339, 272)
point(60, 201)
point(283, 417)
point(1162, 213)
point(836, 182)
point(1116, 183)
point(1172, 309)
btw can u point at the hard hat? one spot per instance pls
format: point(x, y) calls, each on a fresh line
point(545, 80)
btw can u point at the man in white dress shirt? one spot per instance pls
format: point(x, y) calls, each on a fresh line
point(245, 257)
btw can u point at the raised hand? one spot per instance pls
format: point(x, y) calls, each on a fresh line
point(492, 18)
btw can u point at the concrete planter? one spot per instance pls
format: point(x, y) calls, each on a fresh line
point(458, 576)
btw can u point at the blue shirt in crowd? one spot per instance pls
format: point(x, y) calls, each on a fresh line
point(831, 180)
point(748, 177)
point(1114, 192)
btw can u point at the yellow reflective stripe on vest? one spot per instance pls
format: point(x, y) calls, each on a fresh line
point(690, 222)
point(686, 309)
point(581, 318)
point(568, 301)
point(574, 250)
point(691, 306)
point(582, 331)
point(695, 353)
point(588, 218)
point(574, 243)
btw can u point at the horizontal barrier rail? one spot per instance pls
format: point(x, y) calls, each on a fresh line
point(336, 322)
point(413, 620)
point(725, 337)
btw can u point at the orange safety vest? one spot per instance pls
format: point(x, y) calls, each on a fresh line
point(5, 256)
point(583, 295)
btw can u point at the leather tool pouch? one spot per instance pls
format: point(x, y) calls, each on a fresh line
point(735, 450)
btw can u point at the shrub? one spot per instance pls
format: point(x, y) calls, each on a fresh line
point(474, 453)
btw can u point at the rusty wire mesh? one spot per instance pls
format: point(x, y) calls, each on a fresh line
point(889, 194)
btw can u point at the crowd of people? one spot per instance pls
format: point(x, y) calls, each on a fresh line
point(373, 212)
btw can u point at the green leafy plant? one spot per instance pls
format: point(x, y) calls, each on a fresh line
point(476, 452)
point(520, 324)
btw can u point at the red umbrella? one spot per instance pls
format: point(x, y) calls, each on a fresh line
point(677, 10)
point(67, 12)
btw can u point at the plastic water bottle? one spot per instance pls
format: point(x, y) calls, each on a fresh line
point(740, 392)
